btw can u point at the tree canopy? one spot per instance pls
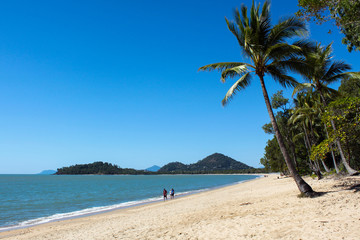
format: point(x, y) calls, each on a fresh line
point(345, 14)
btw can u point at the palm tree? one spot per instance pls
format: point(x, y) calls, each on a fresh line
point(321, 72)
point(307, 114)
point(269, 53)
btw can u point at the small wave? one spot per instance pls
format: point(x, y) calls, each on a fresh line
point(75, 214)
point(89, 211)
point(96, 210)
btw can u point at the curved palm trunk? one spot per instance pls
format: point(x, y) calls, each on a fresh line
point(316, 161)
point(312, 168)
point(332, 152)
point(324, 165)
point(292, 148)
point(302, 185)
point(349, 169)
point(334, 161)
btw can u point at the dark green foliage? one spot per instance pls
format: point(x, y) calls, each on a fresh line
point(98, 168)
point(350, 87)
point(345, 13)
point(215, 163)
point(278, 101)
point(273, 160)
point(309, 115)
point(345, 112)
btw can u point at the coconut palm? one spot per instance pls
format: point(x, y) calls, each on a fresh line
point(321, 72)
point(307, 114)
point(269, 53)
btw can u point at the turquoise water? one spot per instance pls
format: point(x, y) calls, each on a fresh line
point(27, 200)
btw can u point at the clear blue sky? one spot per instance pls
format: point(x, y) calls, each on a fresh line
point(117, 81)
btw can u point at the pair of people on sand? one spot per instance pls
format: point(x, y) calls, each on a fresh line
point(172, 194)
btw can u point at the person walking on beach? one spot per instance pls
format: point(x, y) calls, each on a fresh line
point(172, 193)
point(165, 194)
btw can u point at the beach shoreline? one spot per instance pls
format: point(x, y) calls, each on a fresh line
point(266, 207)
point(61, 216)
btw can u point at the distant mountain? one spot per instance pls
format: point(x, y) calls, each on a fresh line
point(154, 168)
point(216, 162)
point(47, 172)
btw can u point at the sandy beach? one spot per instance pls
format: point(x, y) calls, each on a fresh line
point(265, 208)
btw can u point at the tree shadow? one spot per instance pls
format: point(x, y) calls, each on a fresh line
point(344, 184)
point(355, 187)
point(312, 194)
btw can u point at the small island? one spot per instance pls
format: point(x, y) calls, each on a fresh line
point(98, 168)
point(216, 163)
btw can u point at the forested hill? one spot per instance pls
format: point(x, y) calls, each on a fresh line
point(215, 163)
point(98, 168)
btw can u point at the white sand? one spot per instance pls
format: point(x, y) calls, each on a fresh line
point(266, 208)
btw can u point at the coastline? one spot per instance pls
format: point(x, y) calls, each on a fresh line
point(94, 210)
point(266, 207)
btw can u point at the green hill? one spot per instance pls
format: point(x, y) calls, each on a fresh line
point(216, 163)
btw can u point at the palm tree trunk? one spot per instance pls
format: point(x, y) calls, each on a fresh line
point(302, 185)
point(308, 152)
point(307, 140)
point(334, 161)
point(332, 152)
point(325, 167)
point(292, 148)
point(316, 162)
point(313, 166)
point(349, 169)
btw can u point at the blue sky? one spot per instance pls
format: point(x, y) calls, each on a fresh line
point(117, 81)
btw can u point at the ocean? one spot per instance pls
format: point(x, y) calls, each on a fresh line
point(27, 200)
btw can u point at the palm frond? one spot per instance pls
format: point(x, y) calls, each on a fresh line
point(234, 29)
point(298, 136)
point(296, 64)
point(220, 66)
point(282, 51)
point(286, 29)
point(354, 75)
point(232, 72)
point(305, 45)
point(335, 71)
point(240, 84)
point(265, 11)
point(328, 91)
point(265, 25)
point(279, 75)
point(337, 77)
point(302, 87)
point(244, 20)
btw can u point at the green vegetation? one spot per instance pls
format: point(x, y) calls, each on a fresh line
point(315, 138)
point(215, 163)
point(269, 53)
point(321, 130)
point(98, 168)
point(345, 13)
